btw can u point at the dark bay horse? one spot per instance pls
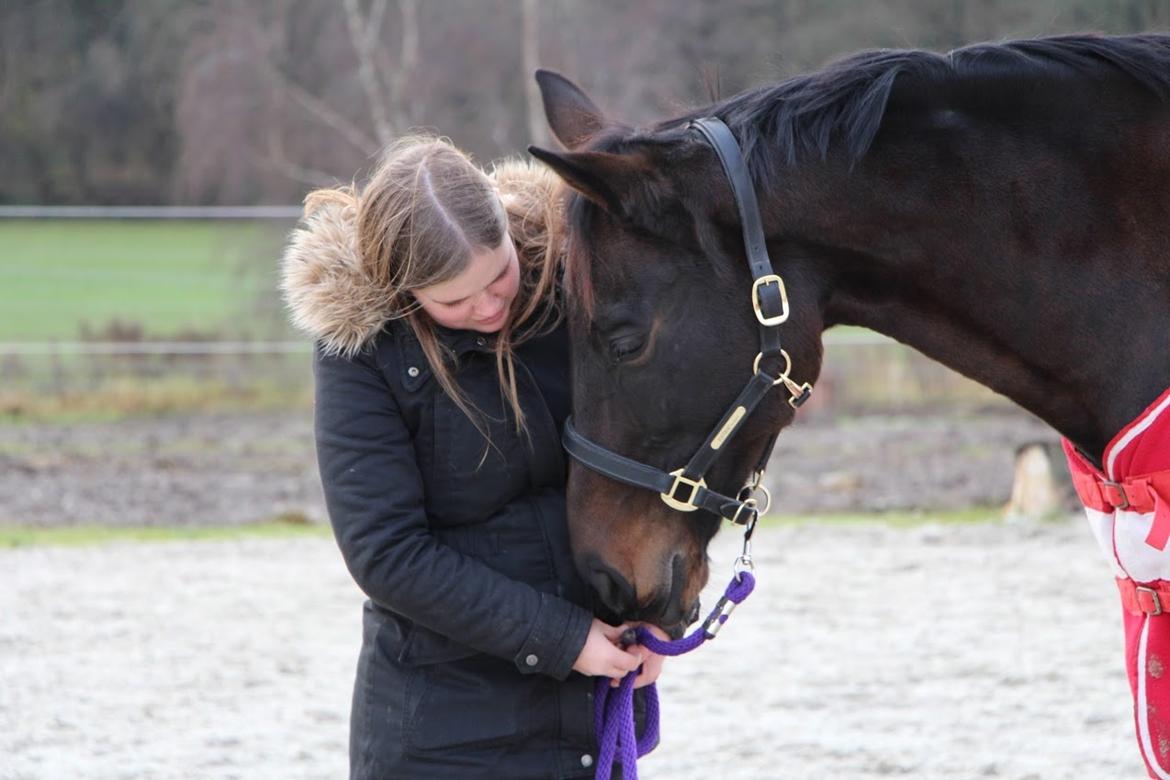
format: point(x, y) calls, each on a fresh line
point(1004, 209)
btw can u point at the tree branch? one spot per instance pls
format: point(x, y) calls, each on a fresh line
point(407, 60)
point(321, 110)
point(362, 44)
point(275, 160)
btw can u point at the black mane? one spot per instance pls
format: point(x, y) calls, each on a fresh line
point(843, 104)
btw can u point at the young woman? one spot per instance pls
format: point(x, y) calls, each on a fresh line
point(441, 369)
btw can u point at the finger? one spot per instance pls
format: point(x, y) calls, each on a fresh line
point(628, 662)
point(624, 659)
point(650, 672)
point(614, 633)
point(622, 667)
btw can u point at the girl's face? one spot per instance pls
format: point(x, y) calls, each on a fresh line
point(480, 296)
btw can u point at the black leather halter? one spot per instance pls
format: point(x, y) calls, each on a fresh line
point(684, 489)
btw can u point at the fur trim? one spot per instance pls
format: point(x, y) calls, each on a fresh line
point(332, 299)
point(531, 194)
point(328, 294)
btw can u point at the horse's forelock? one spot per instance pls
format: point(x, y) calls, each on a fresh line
point(579, 261)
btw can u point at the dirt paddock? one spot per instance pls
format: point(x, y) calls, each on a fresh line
point(981, 651)
point(233, 468)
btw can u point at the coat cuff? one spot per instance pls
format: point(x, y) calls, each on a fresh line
point(556, 639)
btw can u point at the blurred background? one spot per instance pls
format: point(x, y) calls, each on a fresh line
point(153, 155)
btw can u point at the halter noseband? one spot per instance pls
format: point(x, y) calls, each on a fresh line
point(684, 489)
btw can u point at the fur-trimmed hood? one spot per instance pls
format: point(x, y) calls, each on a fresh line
point(331, 298)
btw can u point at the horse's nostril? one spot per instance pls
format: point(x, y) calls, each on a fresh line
point(694, 613)
point(614, 590)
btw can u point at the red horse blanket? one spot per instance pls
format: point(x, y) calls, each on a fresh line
point(1128, 505)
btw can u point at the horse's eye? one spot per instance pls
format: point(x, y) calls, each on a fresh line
point(625, 347)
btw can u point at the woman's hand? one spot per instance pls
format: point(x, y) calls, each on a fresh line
point(651, 662)
point(602, 655)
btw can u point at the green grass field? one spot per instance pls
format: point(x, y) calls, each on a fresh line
point(169, 277)
point(75, 279)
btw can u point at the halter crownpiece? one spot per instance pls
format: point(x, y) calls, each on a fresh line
point(684, 488)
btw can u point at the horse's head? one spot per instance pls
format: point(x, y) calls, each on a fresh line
point(664, 339)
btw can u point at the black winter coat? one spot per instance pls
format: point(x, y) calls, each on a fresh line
point(476, 612)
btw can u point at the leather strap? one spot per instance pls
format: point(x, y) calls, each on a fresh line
point(719, 136)
point(1136, 494)
point(1148, 598)
point(631, 472)
point(769, 301)
point(749, 398)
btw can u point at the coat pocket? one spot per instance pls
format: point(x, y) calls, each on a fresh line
point(412, 645)
point(468, 705)
point(423, 647)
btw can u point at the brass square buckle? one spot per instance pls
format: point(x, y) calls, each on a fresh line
point(1114, 486)
point(1152, 597)
point(783, 315)
point(674, 503)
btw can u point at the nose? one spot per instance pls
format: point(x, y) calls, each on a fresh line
point(672, 612)
point(489, 307)
point(615, 591)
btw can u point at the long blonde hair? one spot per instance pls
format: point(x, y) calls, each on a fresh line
point(424, 210)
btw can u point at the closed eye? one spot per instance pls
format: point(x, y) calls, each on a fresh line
point(621, 349)
point(635, 349)
point(499, 276)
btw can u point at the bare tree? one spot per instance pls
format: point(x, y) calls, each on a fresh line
point(222, 101)
point(537, 127)
point(384, 90)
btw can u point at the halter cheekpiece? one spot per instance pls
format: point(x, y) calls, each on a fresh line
point(684, 488)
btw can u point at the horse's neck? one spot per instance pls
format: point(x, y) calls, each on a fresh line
point(1051, 292)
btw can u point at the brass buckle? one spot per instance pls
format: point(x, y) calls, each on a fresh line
point(679, 479)
point(783, 315)
point(798, 394)
point(1153, 597)
point(1120, 491)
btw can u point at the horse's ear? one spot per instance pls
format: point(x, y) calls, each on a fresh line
point(572, 116)
point(612, 181)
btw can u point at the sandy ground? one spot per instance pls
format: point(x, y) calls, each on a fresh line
point(989, 651)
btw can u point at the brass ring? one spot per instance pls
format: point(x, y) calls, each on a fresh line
point(787, 366)
point(767, 499)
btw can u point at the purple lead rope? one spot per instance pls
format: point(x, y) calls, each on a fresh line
point(613, 708)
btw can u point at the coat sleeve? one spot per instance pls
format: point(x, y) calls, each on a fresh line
point(374, 495)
